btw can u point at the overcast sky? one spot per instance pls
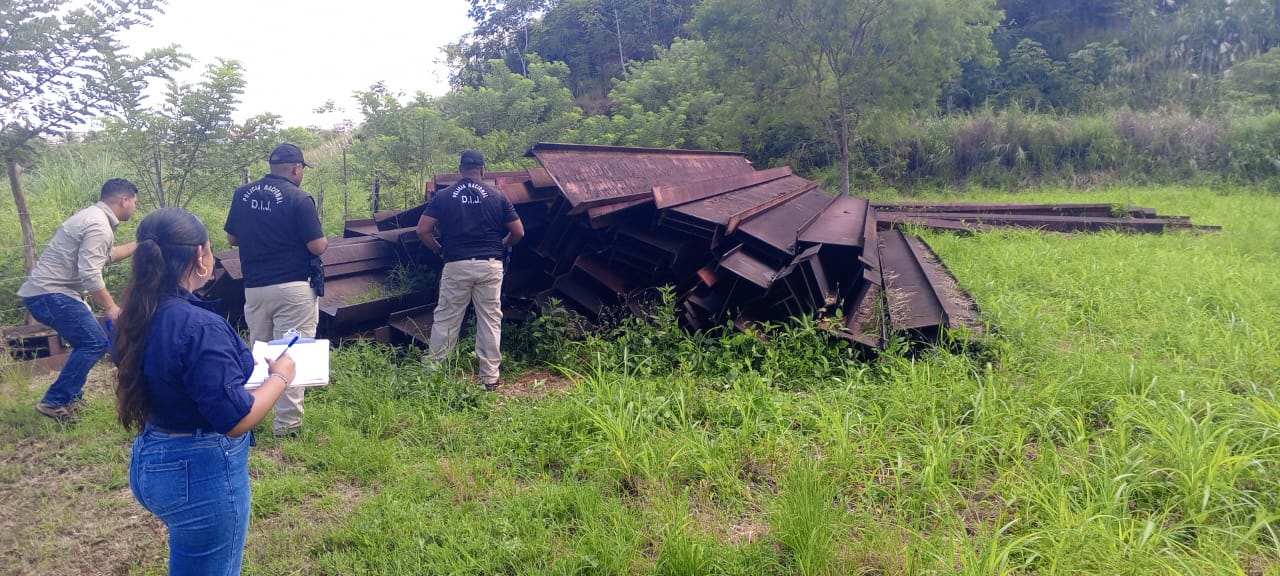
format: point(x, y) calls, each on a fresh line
point(297, 54)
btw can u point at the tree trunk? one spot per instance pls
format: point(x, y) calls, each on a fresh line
point(24, 213)
point(155, 157)
point(844, 149)
point(622, 60)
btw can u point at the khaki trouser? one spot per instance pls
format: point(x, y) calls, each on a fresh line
point(478, 282)
point(270, 311)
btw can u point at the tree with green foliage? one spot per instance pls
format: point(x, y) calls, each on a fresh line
point(502, 33)
point(844, 60)
point(60, 65)
point(1255, 83)
point(510, 112)
point(670, 101)
point(1181, 48)
point(1036, 81)
point(595, 38)
point(404, 144)
point(190, 145)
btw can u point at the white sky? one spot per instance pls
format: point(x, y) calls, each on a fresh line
point(297, 54)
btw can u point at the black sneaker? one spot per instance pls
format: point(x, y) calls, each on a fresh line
point(64, 414)
point(491, 386)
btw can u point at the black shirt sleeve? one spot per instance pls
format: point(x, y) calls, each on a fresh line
point(508, 210)
point(229, 227)
point(307, 220)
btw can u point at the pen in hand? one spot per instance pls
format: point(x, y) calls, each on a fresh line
point(286, 348)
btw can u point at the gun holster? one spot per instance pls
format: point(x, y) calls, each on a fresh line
point(316, 278)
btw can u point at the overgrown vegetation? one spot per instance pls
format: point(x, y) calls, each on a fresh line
point(1121, 417)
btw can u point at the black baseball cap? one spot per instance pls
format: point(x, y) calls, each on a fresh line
point(287, 154)
point(471, 158)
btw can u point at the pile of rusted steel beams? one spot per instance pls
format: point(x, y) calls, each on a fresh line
point(607, 225)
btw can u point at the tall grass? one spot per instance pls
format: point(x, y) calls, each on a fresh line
point(1013, 148)
point(66, 179)
point(1120, 417)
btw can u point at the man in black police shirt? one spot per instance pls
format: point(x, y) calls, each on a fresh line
point(276, 227)
point(477, 224)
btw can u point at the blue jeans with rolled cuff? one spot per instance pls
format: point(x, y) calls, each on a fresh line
point(75, 323)
point(197, 483)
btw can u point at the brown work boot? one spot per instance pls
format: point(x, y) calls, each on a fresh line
point(64, 414)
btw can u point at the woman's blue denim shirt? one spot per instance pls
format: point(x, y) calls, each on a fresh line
point(195, 368)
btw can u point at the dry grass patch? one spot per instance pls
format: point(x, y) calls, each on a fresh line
point(65, 506)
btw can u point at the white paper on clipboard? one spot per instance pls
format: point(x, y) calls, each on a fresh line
point(311, 358)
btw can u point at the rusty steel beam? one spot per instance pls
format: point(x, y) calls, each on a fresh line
point(590, 176)
point(447, 179)
point(895, 220)
point(914, 304)
point(742, 216)
point(959, 307)
point(579, 292)
point(686, 192)
point(607, 215)
point(777, 224)
point(841, 223)
point(37, 366)
point(864, 321)
point(1057, 223)
point(360, 227)
point(602, 274)
point(748, 267)
point(1090, 210)
point(414, 323)
point(718, 211)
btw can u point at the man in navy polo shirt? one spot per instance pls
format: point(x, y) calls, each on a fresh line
point(477, 224)
point(276, 227)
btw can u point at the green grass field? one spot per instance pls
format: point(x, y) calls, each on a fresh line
point(1120, 418)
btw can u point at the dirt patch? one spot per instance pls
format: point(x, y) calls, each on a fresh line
point(65, 503)
point(66, 506)
point(735, 528)
point(535, 384)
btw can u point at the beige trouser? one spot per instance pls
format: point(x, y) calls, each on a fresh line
point(270, 311)
point(479, 282)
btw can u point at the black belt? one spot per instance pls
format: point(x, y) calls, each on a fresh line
point(486, 258)
point(175, 433)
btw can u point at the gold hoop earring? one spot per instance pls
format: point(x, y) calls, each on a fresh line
point(204, 274)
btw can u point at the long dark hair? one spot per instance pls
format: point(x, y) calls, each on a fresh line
point(167, 243)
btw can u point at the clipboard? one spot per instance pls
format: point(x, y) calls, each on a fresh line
point(311, 357)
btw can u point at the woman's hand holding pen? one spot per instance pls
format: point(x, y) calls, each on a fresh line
point(265, 396)
point(284, 366)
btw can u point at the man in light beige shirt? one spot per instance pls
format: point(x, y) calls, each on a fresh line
point(69, 270)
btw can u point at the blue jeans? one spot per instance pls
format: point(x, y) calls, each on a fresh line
point(75, 323)
point(198, 485)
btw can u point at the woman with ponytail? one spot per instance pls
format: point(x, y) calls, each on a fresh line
point(181, 385)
